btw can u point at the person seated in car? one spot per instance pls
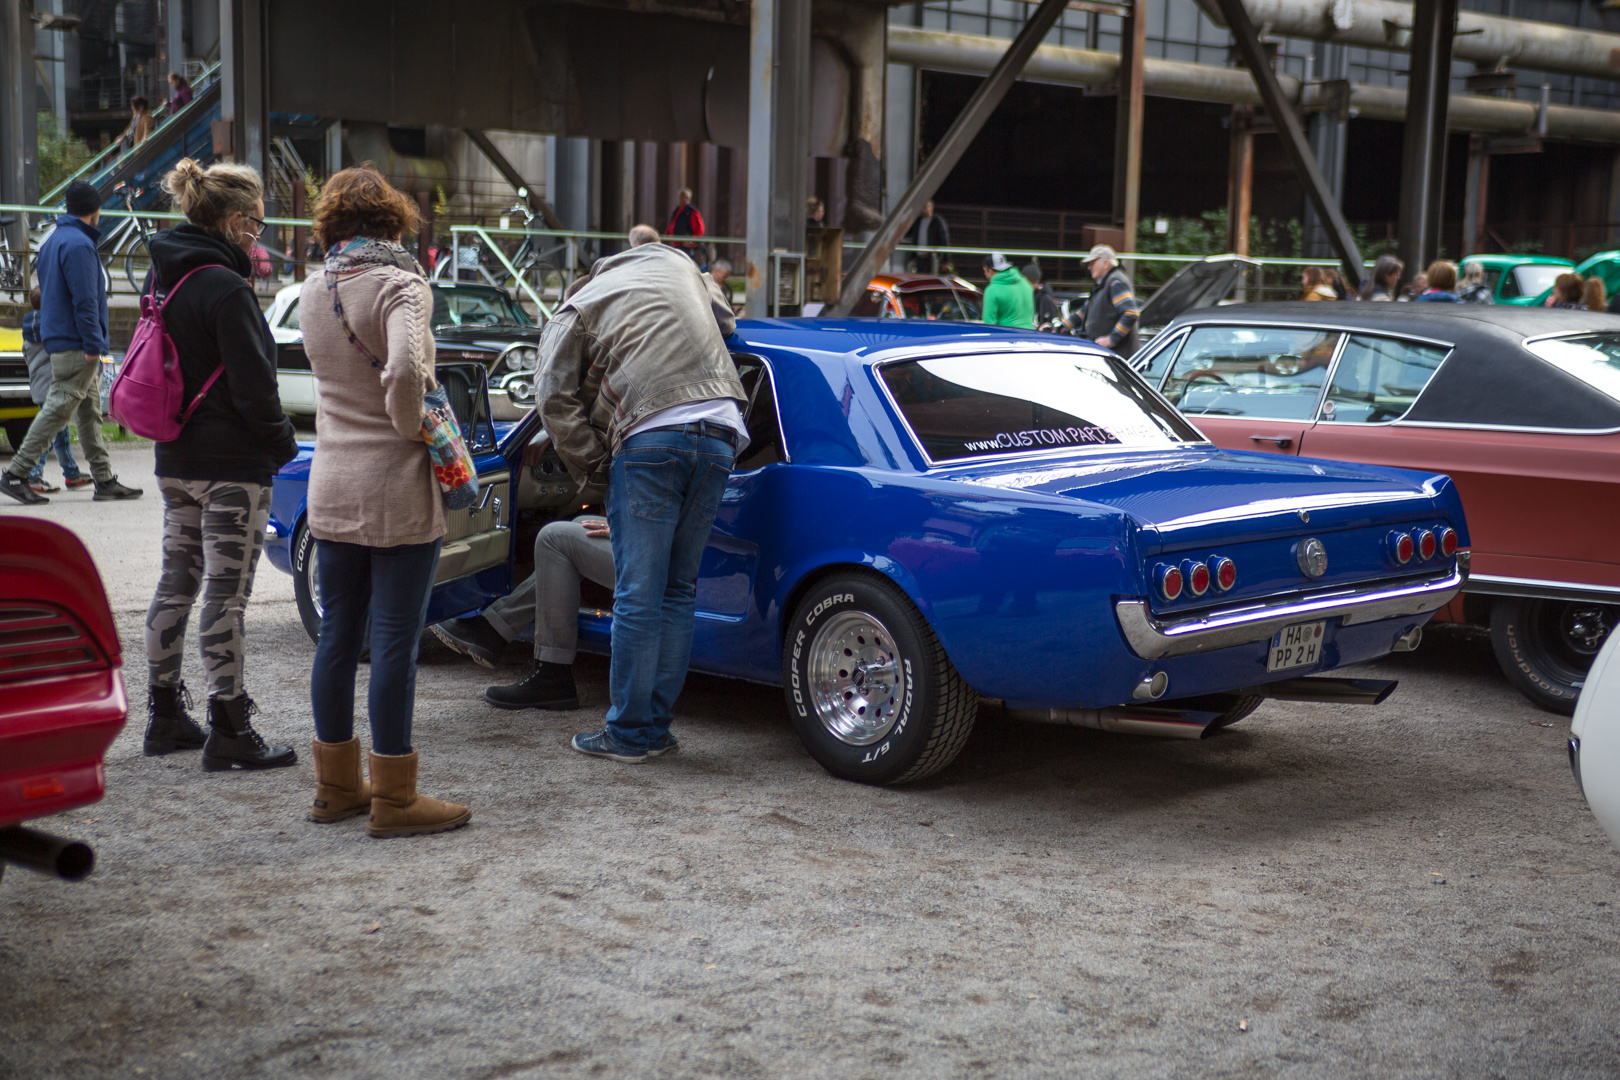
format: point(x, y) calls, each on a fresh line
point(565, 552)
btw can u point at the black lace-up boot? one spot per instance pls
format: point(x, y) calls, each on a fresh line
point(232, 742)
point(543, 686)
point(169, 727)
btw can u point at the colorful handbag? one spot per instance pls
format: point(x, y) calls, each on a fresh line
point(447, 451)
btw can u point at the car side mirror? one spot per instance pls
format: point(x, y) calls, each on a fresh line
point(467, 387)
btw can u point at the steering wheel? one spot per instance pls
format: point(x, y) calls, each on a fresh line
point(1207, 375)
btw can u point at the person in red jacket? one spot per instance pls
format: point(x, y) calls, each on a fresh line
point(686, 221)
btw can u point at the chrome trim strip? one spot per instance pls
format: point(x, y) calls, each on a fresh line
point(1495, 585)
point(1460, 426)
point(1153, 639)
point(1215, 319)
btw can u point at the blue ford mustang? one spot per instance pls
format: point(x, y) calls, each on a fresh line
point(928, 514)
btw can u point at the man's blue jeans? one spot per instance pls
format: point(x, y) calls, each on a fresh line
point(663, 492)
point(390, 586)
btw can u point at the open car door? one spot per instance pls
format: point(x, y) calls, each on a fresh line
point(479, 537)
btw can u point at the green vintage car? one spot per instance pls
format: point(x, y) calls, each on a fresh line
point(1605, 264)
point(1519, 279)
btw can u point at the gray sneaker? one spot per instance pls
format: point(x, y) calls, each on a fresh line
point(112, 489)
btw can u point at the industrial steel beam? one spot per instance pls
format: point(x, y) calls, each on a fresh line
point(1483, 39)
point(1423, 153)
point(933, 172)
point(19, 136)
point(513, 177)
point(1128, 122)
point(974, 54)
point(761, 139)
point(244, 76)
point(1281, 113)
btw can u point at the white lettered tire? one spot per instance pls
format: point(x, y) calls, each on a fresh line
point(870, 690)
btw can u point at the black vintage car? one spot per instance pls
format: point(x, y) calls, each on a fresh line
point(470, 322)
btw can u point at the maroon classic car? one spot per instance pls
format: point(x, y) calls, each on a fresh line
point(1520, 406)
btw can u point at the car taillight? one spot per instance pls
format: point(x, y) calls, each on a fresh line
point(1425, 543)
point(1224, 571)
point(1169, 581)
point(1448, 542)
point(38, 640)
point(1401, 547)
point(1197, 575)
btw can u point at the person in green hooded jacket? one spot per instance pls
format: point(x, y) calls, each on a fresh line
point(1009, 299)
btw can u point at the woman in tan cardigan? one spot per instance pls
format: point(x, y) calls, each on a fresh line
point(374, 505)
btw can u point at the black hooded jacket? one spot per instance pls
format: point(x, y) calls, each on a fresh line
point(239, 432)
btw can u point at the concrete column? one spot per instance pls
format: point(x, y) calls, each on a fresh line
point(334, 147)
point(568, 180)
point(1328, 140)
point(761, 136)
point(1476, 197)
point(244, 75)
point(19, 135)
point(1128, 124)
point(791, 147)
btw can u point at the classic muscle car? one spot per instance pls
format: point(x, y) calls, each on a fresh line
point(62, 697)
point(921, 296)
point(1520, 406)
point(929, 513)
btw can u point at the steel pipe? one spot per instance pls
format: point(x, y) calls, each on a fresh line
point(975, 54)
point(1484, 39)
point(43, 853)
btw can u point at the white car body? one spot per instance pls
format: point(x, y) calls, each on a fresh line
point(298, 390)
point(1594, 738)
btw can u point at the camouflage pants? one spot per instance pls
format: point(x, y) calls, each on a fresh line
point(213, 531)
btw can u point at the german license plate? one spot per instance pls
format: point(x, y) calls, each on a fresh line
point(1299, 645)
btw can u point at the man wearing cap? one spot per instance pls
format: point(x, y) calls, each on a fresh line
point(1112, 310)
point(73, 327)
point(1009, 299)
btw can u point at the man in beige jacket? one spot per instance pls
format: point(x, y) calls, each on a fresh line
point(639, 395)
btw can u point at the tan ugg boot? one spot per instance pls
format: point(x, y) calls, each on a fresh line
point(340, 789)
point(396, 808)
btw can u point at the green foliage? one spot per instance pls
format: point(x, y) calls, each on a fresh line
point(61, 153)
point(1206, 235)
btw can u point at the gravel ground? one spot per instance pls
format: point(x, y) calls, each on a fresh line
point(1414, 889)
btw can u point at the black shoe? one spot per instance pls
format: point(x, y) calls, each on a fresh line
point(17, 487)
point(546, 686)
point(474, 638)
point(232, 742)
point(112, 489)
point(168, 726)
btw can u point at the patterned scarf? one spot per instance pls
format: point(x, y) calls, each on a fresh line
point(364, 252)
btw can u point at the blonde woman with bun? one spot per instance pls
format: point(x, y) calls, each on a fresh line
point(215, 476)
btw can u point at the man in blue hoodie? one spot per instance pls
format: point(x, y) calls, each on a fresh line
point(73, 326)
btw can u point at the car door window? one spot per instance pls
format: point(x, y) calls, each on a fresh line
point(1378, 379)
point(289, 318)
point(759, 415)
point(1267, 372)
point(1158, 362)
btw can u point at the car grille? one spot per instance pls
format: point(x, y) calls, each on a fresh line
point(13, 369)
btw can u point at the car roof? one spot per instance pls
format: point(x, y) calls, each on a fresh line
point(873, 339)
point(1507, 259)
point(1489, 378)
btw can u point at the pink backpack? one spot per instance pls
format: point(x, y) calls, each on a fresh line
point(147, 395)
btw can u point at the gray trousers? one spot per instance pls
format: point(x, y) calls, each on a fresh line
point(213, 531)
point(75, 396)
point(563, 554)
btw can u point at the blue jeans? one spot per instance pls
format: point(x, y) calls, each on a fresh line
point(391, 587)
point(663, 492)
point(64, 457)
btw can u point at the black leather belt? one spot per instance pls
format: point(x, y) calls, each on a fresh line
point(708, 429)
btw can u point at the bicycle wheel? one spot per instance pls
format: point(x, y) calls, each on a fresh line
point(137, 261)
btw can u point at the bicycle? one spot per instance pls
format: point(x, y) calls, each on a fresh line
point(12, 278)
point(137, 254)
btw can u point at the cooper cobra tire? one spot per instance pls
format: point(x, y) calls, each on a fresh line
point(1546, 647)
point(303, 567)
point(870, 690)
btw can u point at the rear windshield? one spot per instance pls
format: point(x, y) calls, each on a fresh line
point(940, 304)
point(1592, 358)
point(997, 404)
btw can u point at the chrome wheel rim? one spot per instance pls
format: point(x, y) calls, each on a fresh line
point(312, 579)
point(854, 678)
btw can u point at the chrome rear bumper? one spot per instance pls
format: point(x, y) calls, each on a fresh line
point(1153, 639)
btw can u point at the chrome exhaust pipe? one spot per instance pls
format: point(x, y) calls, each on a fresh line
point(1330, 690)
point(70, 860)
point(1165, 723)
